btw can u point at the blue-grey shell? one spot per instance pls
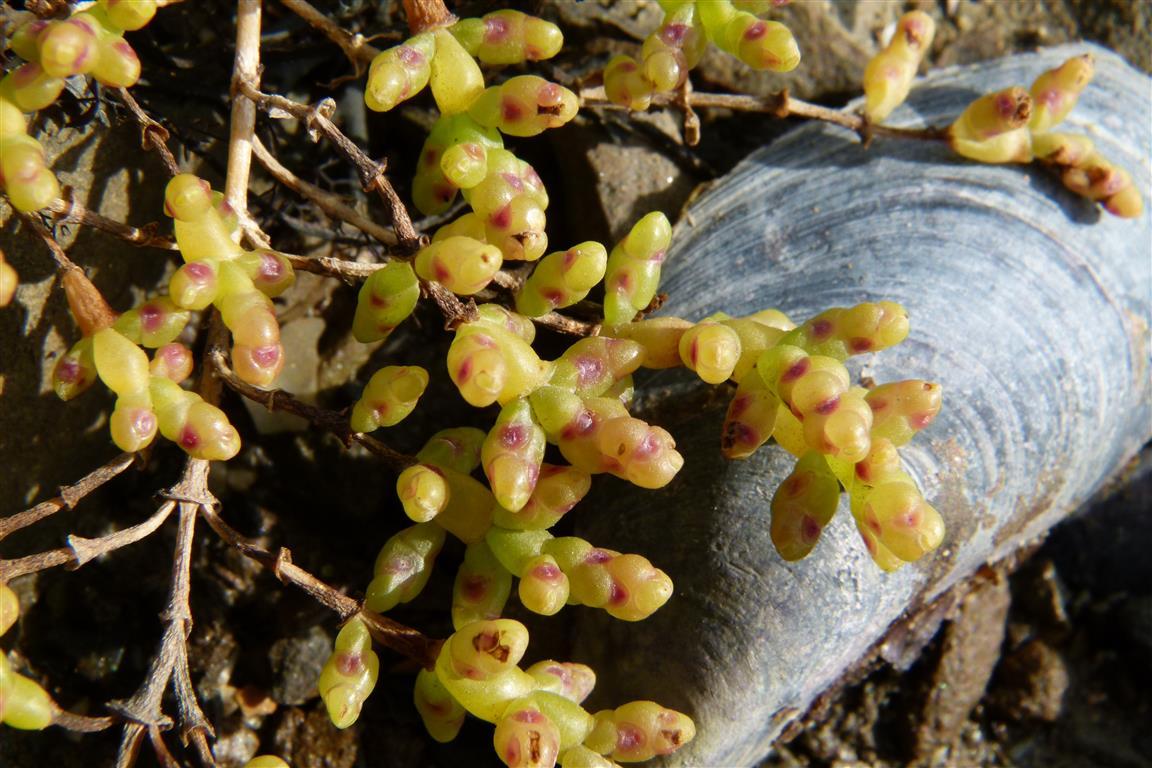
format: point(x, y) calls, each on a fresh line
point(1030, 305)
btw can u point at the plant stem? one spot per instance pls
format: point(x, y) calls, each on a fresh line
point(70, 495)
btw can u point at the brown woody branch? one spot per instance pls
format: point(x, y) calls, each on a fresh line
point(355, 47)
point(326, 201)
point(70, 495)
point(72, 210)
point(779, 105)
point(279, 400)
point(317, 120)
point(153, 136)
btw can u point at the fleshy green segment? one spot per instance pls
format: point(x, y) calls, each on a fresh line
point(633, 271)
point(389, 397)
point(386, 299)
point(350, 674)
point(889, 74)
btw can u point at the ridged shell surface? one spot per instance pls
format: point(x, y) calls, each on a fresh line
point(1029, 305)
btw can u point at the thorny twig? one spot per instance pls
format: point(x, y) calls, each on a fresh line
point(779, 105)
point(279, 400)
point(316, 118)
point(72, 210)
point(70, 495)
point(153, 135)
point(170, 664)
point(325, 201)
point(355, 47)
point(81, 550)
point(391, 634)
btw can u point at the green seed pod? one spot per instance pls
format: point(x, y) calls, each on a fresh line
point(902, 408)
point(1056, 92)
point(558, 490)
point(543, 586)
point(525, 737)
point(461, 264)
point(562, 279)
point(508, 37)
point(750, 419)
point(75, 371)
point(994, 128)
point(514, 549)
point(525, 105)
point(131, 15)
point(565, 678)
point(484, 650)
point(455, 78)
point(30, 88)
point(486, 698)
point(423, 492)
point(645, 729)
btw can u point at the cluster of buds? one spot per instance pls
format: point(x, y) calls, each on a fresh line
point(889, 74)
point(1015, 126)
point(89, 42)
point(447, 58)
point(506, 195)
point(677, 46)
point(464, 150)
point(149, 398)
point(537, 712)
point(793, 387)
point(217, 271)
point(24, 704)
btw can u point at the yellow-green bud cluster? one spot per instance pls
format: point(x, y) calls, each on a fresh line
point(677, 46)
point(793, 387)
point(446, 59)
point(217, 271)
point(889, 74)
point(1015, 126)
point(536, 712)
point(149, 399)
point(24, 704)
point(89, 42)
point(24, 174)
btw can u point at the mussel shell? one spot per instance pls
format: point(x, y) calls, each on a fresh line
point(1027, 303)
